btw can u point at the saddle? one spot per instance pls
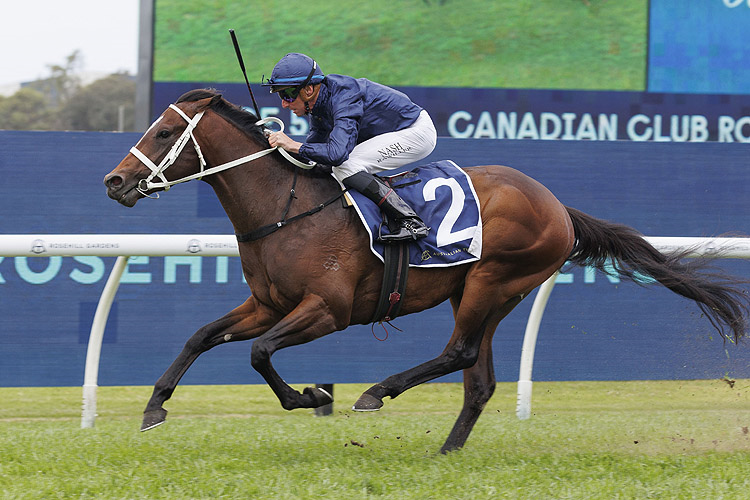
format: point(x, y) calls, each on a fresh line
point(443, 196)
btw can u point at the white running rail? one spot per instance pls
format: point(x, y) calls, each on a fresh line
point(728, 248)
point(121, 246)
point(124, 246)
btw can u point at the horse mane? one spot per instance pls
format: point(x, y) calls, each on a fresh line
point(242, 119)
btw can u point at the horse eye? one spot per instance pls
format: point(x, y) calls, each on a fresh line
point(163, 134)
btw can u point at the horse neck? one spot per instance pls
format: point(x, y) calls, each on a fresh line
point(253, 194)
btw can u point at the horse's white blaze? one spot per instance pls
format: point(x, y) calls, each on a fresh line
point(149, 130)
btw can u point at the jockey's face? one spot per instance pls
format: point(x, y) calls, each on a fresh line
point(304, 101)
point(297, 106)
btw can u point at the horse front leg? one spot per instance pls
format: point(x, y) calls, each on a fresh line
point(310, 320)
point(245, 322)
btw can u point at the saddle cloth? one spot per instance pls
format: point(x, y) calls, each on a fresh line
point(443, 196)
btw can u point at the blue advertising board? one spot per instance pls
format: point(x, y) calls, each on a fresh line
point(595, 327)
point(570, 115)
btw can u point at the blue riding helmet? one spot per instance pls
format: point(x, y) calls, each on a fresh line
point(294, 69)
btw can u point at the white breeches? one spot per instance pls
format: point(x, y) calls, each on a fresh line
point(391, 150)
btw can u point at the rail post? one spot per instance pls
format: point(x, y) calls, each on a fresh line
point(91, 371)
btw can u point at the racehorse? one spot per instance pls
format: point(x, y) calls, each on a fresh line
point(297, 296)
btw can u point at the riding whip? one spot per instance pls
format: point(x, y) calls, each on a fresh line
point(244, 73)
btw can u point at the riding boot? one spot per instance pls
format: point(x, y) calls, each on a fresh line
point(410, 226)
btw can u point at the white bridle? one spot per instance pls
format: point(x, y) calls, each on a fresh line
point(148, 183)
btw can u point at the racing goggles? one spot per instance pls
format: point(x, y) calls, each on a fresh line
point(290, 94)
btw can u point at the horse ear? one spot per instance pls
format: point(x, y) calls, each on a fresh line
point(208, 102)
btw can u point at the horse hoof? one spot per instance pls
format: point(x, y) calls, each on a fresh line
point(367, 402)
point(153, 418)
point(320, 396)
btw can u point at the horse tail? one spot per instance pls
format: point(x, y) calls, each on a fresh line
point(611, 247)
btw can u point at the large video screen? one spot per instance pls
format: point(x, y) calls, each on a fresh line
point(592, 44)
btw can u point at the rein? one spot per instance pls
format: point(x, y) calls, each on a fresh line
point(147, 184)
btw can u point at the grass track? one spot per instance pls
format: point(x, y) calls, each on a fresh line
point(601, 440)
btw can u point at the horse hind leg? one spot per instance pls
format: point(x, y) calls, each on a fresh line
point(479, 385)
point(462, 351)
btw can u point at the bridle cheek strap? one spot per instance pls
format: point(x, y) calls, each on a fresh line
point(174, 153)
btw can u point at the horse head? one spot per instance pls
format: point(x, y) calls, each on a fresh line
point(169, 153)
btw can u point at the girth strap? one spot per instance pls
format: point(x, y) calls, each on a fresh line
point(395, 273)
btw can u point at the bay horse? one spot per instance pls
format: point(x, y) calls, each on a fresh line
point(527, 235)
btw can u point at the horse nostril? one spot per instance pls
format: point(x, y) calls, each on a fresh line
point(113, 181)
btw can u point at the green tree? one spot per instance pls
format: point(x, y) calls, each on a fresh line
point(58, 102)
point(27, 109)
point(100, 105)
point(64, 79)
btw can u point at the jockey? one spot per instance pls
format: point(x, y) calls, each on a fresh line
point(358, 127)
